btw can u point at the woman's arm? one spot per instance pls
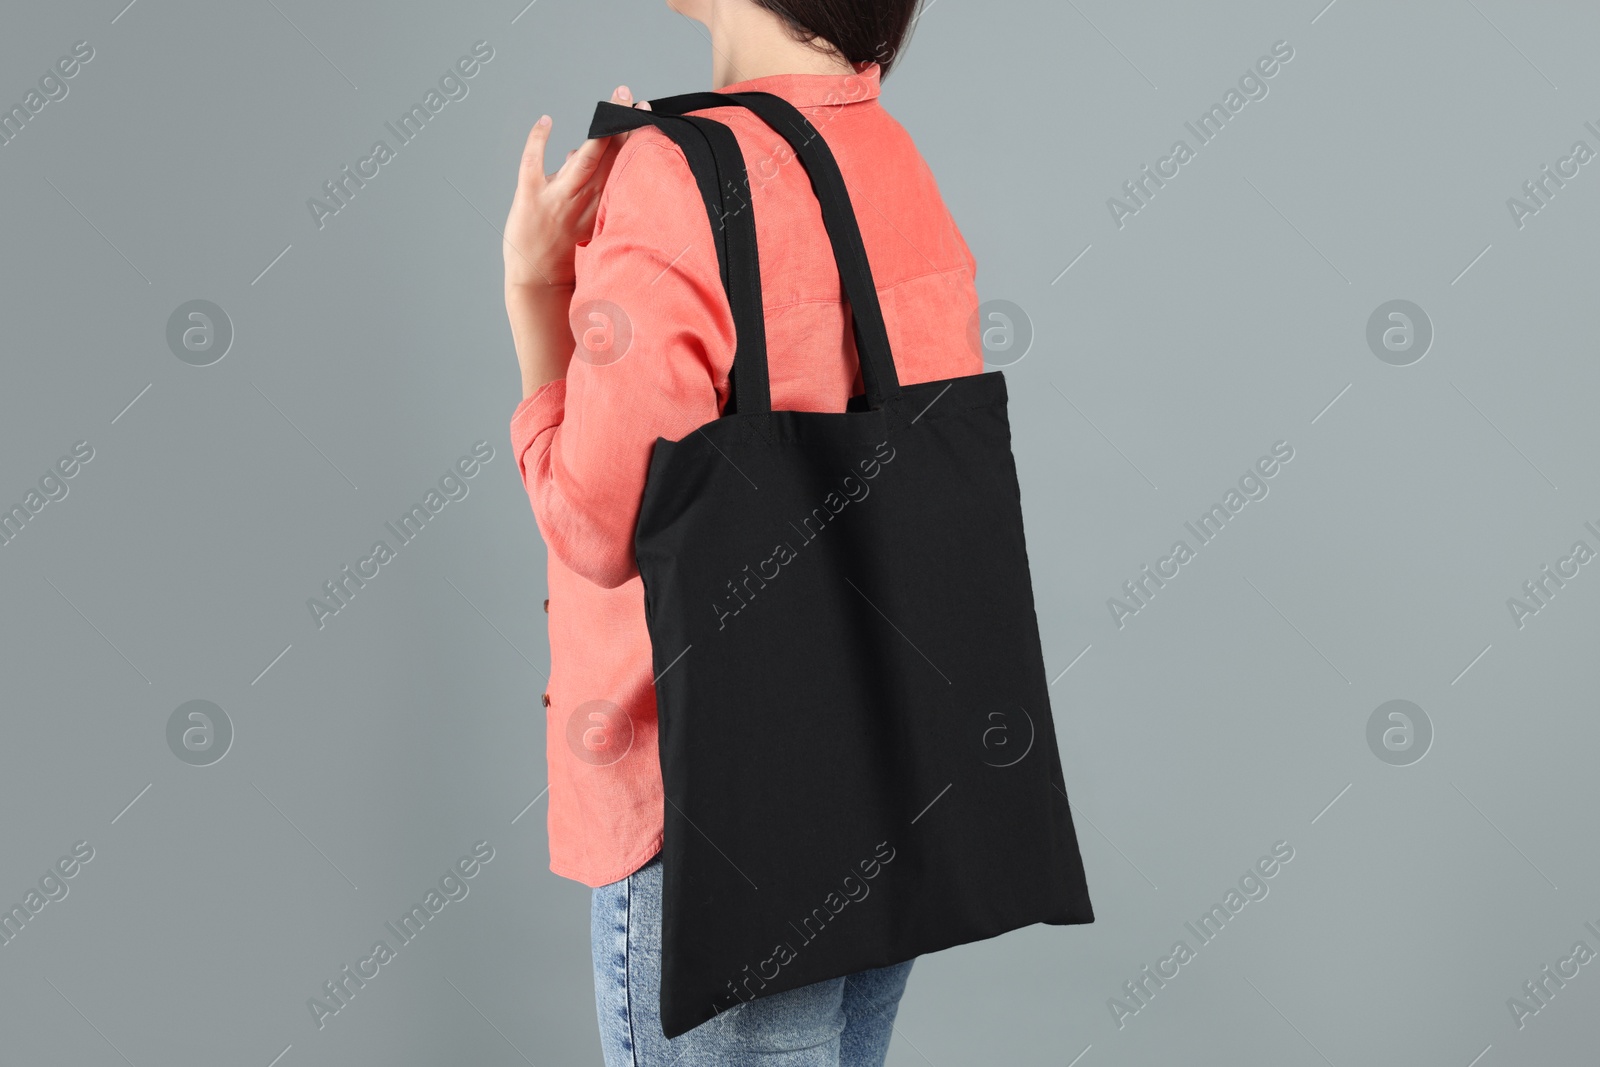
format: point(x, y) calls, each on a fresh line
point(647, 291)
point(540, 332)
point(550, 215)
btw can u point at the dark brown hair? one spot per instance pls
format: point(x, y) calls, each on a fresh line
point(860, 30)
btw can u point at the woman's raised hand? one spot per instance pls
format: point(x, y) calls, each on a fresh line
point(551, 213)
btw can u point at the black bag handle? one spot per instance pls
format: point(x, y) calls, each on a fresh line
point(838, 215)
point(718, 168)
point(855, 272)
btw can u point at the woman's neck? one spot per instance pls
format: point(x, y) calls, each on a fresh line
point(751, 42)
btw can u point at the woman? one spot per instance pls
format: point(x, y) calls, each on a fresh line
point(611, 260)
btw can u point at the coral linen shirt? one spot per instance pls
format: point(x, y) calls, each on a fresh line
point(648, 283)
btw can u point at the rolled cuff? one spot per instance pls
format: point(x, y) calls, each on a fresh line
point(536, 416)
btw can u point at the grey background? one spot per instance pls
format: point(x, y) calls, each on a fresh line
point(1229, 714)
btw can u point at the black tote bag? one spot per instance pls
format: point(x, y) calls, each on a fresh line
point(859, 760)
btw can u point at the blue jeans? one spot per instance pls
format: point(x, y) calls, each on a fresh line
point(845, 1022)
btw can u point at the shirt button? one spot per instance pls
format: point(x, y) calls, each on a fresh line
point(546, 699)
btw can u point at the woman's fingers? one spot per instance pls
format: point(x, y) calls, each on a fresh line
point(530, 175)
point(594, 156)
point(623, 96)
point(603, 172)
point(592, 159)
point(580, 166)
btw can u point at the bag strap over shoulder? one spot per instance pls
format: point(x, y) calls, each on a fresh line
point(718, 168)
point(838, 215)
point(732, 222)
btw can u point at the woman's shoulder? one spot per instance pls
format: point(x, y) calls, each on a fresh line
point(649, 151)
point(650, 179)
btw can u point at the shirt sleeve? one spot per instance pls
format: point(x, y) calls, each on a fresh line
point(654, 341)
point(966, 253)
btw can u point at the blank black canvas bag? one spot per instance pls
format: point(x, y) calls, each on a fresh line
point(859, 760)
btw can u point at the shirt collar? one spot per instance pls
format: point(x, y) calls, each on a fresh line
point(815, 90)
